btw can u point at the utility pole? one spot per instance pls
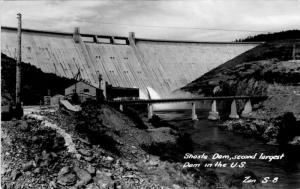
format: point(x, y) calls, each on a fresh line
point(294, 52)
point(19, 110)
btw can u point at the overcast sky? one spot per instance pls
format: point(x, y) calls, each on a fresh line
point(180, 20)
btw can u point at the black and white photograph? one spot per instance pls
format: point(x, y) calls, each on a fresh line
point(150, 94)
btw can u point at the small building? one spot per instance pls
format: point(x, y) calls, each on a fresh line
point(84, 91)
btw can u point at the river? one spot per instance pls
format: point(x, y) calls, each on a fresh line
point(210, 139)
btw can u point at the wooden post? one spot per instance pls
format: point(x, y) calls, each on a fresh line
point(121, 108)
point(102, 86)
point(19, 59)
point(19, 110)
point(214, 114)
point(194, 115)
point(294, 52)
point(150, 111)
point(233, 111)
point(247, 109)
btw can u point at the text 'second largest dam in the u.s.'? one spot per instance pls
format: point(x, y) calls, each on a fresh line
point(122, 61)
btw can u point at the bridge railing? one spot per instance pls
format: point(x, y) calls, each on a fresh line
point(213, 114)
point(174, 100)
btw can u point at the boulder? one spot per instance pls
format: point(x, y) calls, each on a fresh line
point(83, 175)
point(163, 135)
point(91, 169)
point(85, 152)
point(68, 179)
point(28, 166)
point(103, 179)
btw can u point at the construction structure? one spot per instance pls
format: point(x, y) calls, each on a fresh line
point(126, 62)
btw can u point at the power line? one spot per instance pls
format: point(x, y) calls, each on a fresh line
point(175, 27)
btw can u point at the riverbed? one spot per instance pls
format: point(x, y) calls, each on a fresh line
point(208, 138)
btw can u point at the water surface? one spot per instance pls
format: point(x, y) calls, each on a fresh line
point(210, 139)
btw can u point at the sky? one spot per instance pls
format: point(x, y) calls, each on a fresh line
point(202, 20)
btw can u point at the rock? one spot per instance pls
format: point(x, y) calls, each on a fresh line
point(15, 174)
point(272, 142)
point(295, 141)
point(44, 163)
point(34, 139)
point(45, 155)
point(64, 171)
point(83, 175)
point(68, 179)
point(175, 186)
point(23, 126)
point(163, 135)
point(28, 166)
point(53, 154)
point(85, 152)
point(52, 184)
point(107, 161)
point(37, 170)
point(92, 186)
point(253, 128)
point(103, 179)
point(4, 186)
point(85, 141)
point(108, 158)
point(78, 156)
point(91, 169)
point(89, 159)
point(271, 132)
point(153, 161)
point(117, 185)
point(130, 167)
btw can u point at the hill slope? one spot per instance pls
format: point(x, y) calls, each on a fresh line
point(34, 82)
point(283, 35)
point(264, 70)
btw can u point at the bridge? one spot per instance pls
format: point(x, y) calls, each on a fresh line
point(213, 114)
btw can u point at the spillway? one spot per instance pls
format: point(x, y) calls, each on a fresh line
point(162, 65)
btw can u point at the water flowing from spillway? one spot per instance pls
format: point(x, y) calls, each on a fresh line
point(152, 94)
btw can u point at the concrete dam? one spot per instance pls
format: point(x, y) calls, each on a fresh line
point(163, 65)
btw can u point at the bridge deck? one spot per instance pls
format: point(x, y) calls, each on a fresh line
point(174, 100)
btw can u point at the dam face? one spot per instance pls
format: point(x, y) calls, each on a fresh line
point(162, 65)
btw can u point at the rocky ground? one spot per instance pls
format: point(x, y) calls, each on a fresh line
point(280, 130)
point(59, 149)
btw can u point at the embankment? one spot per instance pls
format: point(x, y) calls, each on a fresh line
point(111, 151)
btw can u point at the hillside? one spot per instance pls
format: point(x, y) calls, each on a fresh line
point(35, 83)
point(264, 70)
point(283, 35)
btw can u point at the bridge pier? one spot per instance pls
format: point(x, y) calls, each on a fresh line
point(247, 109)
point(150, 111)
point(233, 112)
point(194, 115)
point(121, 108)
point(214, 114)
